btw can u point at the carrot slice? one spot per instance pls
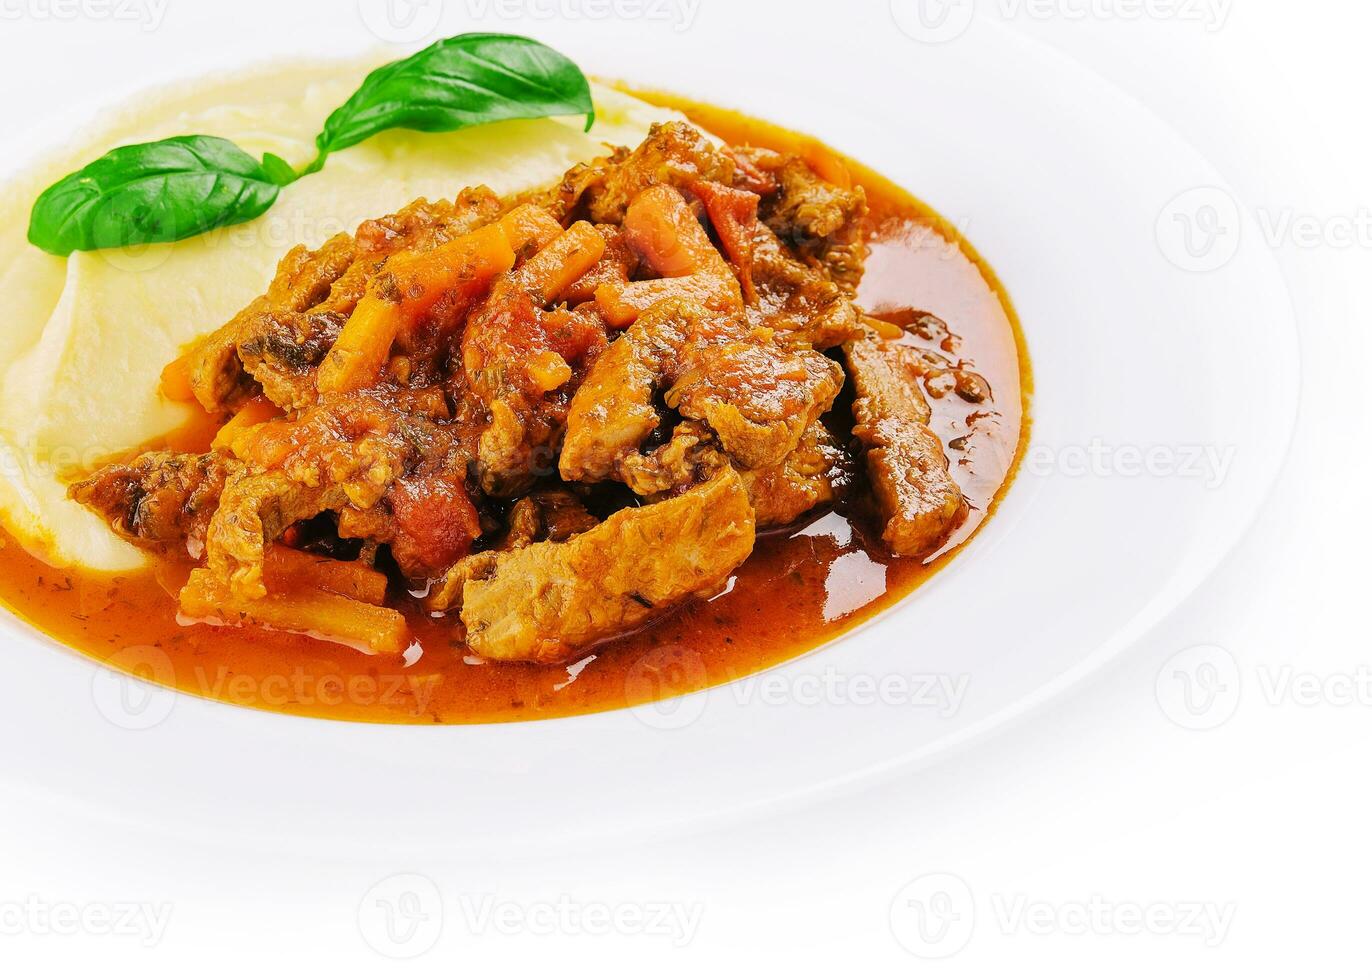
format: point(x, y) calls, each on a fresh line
point(884, 328)
point(734, 214)
point(286, 570)
point(407, 287)
point(176, 380)
point(529, 225)
point(621, 303)
point(195, 434)
point(661, 227)
point(254, 412)
point(826, 164)
point(664, 231)
point(564, 260)
point(321, 614)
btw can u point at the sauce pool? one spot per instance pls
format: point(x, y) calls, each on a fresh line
point(803, 585)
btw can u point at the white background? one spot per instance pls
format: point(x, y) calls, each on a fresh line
point(1095, 837)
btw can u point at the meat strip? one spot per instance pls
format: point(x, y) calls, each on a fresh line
point(674, 153)
point(914, 491)
point(810, 475)
point(822, 221)
point(543, 601)
point(158, 497)
point(799, 301)
point(757, 396)
point(544, 515)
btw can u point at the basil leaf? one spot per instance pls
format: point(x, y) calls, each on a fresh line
point(154, 192)
point(180, 187)
point(277, 170)
point(457, 82)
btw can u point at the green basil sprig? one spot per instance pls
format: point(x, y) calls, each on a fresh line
point(186, 185)
point(458, 82)
point(155, 192)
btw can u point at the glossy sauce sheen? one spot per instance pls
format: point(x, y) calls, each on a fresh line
point(802, 586)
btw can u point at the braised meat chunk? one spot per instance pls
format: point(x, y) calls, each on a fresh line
point(821, 220)
point(810, 475)
point(544, 601)
point(281, 351)
point(918, 498)
point(214, 369)
point(674, 154)
point(158, 497)
point(799, 301)
point(543, 420)
point(757, 396)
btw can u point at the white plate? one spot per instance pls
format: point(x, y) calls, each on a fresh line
point(1070, 190)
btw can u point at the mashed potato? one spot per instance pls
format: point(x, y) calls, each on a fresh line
point(87, 337)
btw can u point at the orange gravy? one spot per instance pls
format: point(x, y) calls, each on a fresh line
point(802, 586)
